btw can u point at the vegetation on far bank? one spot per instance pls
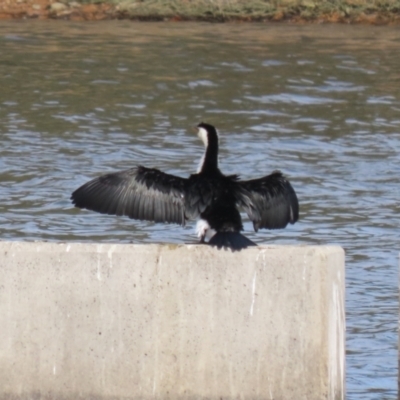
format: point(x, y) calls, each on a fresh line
point(260, 10)
point(353, 11)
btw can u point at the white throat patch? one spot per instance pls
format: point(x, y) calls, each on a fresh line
point(203, 135)
point(200, 166)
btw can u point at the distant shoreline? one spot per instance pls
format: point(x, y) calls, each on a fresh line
point(387, 12)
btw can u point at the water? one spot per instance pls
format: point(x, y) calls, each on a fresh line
point(321, 103)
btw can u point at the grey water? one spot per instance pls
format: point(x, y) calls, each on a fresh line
point(321, 103)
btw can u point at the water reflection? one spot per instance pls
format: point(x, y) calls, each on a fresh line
point(321, 103)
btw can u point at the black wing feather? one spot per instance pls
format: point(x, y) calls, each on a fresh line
point(201, 192)
point(139, 193)
point(270, 202)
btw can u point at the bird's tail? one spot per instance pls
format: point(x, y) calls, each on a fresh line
point(232, 240)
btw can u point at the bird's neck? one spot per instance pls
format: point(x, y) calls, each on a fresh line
point(210, 159)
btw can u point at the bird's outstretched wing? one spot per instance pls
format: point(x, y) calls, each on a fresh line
point(270, 202)
point(139, 193)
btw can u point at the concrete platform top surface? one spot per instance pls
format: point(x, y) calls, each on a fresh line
point(118, 247)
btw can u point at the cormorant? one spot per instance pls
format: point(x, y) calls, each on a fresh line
point(152, 195)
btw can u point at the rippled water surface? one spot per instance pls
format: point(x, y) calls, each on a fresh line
point(321, 103)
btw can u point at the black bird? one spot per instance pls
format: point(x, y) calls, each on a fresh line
point(149, 194)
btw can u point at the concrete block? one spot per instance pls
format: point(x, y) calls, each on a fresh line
point(110, 321)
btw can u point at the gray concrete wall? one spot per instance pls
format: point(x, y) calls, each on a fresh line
point(104, 321)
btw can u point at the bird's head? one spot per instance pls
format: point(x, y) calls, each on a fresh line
point(207, 133)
